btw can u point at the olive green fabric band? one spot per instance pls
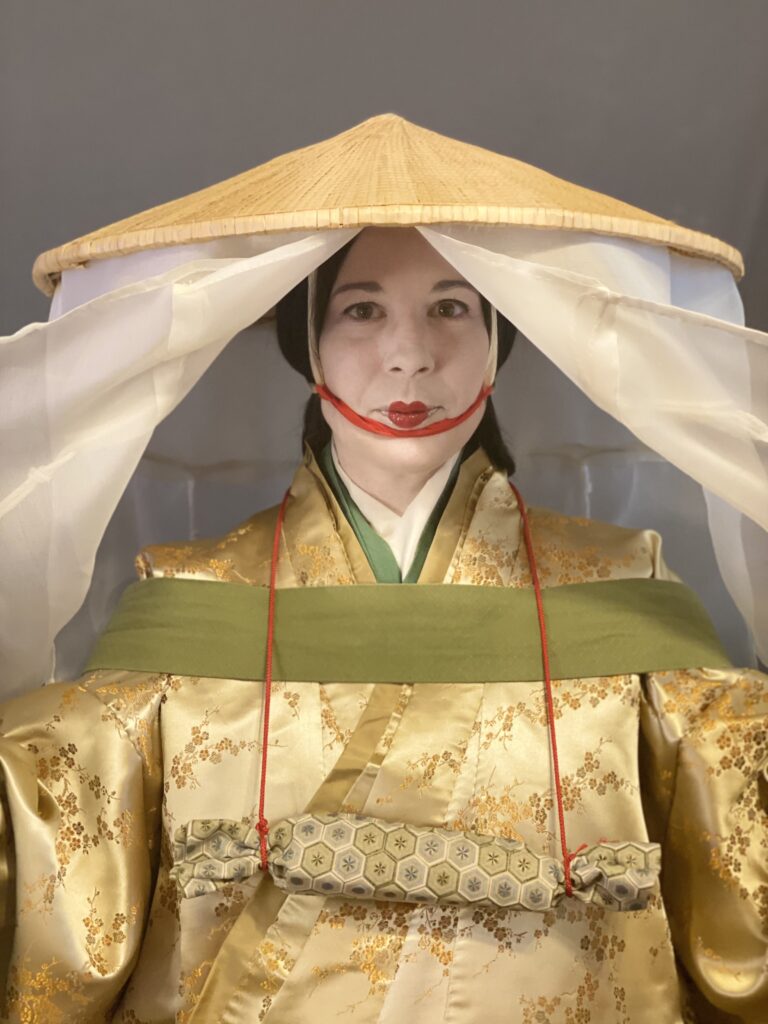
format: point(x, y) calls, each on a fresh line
point(424, 633)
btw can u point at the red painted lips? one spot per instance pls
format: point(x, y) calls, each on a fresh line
point(407, 414)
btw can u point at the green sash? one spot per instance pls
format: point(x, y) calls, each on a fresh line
point(424, 633)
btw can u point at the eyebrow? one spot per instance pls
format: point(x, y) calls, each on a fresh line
point(444, 286)
point(374, 286)
point(362, 286)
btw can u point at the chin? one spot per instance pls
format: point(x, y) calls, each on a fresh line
point(418, 454)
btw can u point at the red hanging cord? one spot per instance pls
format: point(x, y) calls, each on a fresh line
point(262, 825)
point(567, 857)
point(374, 427)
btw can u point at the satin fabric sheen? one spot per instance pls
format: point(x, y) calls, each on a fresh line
point(98, 774)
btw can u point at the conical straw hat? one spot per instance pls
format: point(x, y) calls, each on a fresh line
point(385, 171)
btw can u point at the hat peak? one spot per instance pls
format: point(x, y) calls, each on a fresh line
point(387, 118)
point(380, 124)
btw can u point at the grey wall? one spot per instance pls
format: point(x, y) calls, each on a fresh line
point(107, 107)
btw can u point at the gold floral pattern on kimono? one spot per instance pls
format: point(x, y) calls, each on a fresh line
point(99, 773)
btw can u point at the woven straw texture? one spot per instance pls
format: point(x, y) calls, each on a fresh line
point(385, 171)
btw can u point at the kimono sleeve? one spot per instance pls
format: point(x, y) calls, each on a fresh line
point(703, 758)
point(80, 786)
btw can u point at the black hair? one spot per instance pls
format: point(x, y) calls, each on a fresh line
point(294, 344)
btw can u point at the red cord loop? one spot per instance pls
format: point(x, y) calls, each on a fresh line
point(262, 824)
point(567, 857)
point(374, 427)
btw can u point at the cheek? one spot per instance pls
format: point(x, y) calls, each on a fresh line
point(348, 368)
point(468, 360)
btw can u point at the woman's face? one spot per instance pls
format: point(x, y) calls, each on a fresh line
point(403, 342)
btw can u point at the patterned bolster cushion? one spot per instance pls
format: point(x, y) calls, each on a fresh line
point(360, 857)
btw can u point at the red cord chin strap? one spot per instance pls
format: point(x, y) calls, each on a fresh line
point(263, 825)
point(374, 427)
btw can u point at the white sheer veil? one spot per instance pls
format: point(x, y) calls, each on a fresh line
point(154, 406)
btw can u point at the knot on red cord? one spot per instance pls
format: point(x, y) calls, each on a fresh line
point(262, 827)
point(568, 858)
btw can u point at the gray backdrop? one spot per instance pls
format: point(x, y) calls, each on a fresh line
point(108, 107)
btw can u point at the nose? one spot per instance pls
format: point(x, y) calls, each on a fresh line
point(407, 351)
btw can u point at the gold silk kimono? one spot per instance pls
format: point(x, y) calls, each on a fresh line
point(99, 774)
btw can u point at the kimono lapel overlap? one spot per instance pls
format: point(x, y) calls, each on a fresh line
point(273, 929)
point(320, 542)
point(385, 766)
point(248, 964)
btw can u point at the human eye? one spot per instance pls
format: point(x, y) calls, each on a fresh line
point(364, 311)
point(449, 309)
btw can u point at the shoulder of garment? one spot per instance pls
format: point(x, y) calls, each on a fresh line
point(568, 549)
point(576, 549)
point(239, 556)
point(122, 702)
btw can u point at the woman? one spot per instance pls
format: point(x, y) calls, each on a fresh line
point(104, 929)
